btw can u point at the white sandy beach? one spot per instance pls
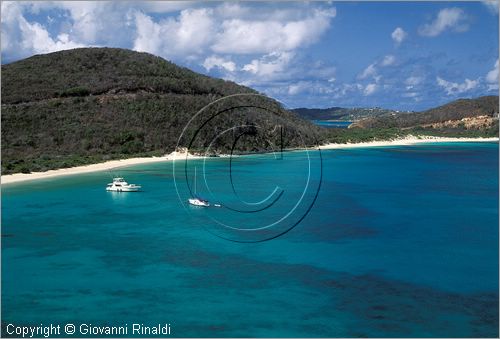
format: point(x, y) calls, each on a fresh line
point(409, 140)
point(108, 165)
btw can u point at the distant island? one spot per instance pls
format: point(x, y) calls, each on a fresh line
point(342, 113)
point(89, 105)
point(480, 114)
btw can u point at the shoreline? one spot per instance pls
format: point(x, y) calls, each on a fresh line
point(112, 164)
point(407, 141)
point(103, 166)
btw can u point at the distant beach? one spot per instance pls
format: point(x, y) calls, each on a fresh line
point(104, 166)
point(409, 140)
point(108, 165)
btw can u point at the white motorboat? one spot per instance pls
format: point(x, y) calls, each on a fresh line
point(120, 185)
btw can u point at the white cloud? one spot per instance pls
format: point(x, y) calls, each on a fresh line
point(409, 95)
point(230, 29)
point(372, 69)
point(388, 60)
point(188, 34)
point(244, 36)
point(492, 76)
point(453, 19)
point(344, 89)
point(22, 38)
point(298, 87)
point(312, 87)
point(456, 88)
point(399, 35)
point(80, 24)
point(368, 72)
point(191, 33)
point(270, 64)
point(215, 61)
point(492, 5)
point(370, 89)
point(414, 80)
point(94, 22)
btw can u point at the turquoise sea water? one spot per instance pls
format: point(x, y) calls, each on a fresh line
point(401, 242)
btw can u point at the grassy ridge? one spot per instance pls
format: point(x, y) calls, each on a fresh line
point(352, 135)
point(455, 110)
point(84, 71)
point(88, 105)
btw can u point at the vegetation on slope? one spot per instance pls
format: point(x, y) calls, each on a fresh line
point(92, 104)
point(456, 110)
point(356, 134)
point(95, 71)
point(88, 105)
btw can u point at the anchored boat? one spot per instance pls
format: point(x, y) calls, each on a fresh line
point(197, 201)
point(120, 185)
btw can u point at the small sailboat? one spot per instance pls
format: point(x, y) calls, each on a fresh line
point(196, 200)
point(199, 202)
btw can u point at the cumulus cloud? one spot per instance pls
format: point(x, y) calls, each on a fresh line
point(188, 34)
point(217, 30)
point(409, 95)
point(269, 65)
point(80, 24)
point(414, 80)
point(93, 22)
point(372, 69)
point(369, 71)
point(298, 87)
point(388, 60)
point(23, 38)
point(218, 62)
point(243, 36)
point(452, 88)
point(399, 35)
point(370, 89)
point(492, 76)
point(492, 5)
point(453, 19)
point(311, 87)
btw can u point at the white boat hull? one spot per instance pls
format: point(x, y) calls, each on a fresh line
point(124, 189)
point(120, 185)
point(197, 202)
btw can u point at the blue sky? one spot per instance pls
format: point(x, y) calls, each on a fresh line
point(401, 55)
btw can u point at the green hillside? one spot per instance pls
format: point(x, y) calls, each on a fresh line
point(461, 118)
point(456, 110)
point(88, 105)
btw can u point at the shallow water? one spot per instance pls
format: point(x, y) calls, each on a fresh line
point(332, 124)
point(401, 242)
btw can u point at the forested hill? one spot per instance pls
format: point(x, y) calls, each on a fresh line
point(96, 71)
point(482, 108)
point(88, 105)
